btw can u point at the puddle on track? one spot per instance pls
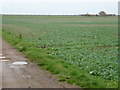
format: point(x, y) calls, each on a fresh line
point(2, 57)
point(19, 63)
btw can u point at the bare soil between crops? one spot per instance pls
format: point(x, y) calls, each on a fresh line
point(24, 76)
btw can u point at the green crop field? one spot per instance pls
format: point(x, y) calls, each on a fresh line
point(88, 43)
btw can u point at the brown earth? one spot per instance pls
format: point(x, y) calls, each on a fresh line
point(24, 76)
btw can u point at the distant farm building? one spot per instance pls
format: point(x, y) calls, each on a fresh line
point(111, 15)
point(101, 13)
point(92, 15)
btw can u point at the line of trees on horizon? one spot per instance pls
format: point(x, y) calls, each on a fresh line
point(101, 13)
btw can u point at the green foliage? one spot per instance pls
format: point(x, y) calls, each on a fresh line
point(86, 56)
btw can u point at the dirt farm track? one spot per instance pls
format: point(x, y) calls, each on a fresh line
point(17, 72)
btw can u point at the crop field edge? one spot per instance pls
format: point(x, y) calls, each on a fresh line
point(63, 70)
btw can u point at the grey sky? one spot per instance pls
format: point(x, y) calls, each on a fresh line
point(58, 6)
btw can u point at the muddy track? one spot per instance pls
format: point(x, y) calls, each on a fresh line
point(26, 75)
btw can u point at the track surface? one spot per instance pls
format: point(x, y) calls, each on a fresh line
point(24, 76)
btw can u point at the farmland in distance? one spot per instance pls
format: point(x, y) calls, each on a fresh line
point(90, 43)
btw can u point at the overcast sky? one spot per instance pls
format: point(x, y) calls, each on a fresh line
point(61, 7)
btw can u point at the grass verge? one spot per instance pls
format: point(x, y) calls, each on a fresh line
point(63, 70)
